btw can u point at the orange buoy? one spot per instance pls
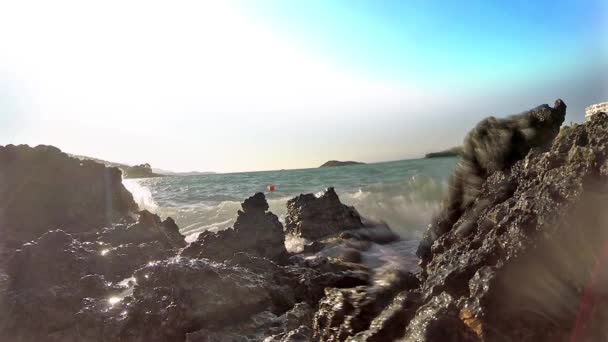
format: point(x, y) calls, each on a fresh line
point(271, 188)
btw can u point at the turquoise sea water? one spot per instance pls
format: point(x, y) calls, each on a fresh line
point(405, 193)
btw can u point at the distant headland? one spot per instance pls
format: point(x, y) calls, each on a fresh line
point(452, 152)
point(333, 163)
point(144, 170)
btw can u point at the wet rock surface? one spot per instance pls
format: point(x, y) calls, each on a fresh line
point(174, 297)
point(147, 228)
point(42, 188)
point(519, 261)
point(136, 279)
point(493, 145)
point(345, 313)
point(256, 232)
point(519, 258)
point(534, 234)
point(311, 217)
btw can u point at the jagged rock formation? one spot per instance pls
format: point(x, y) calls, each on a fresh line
point(148, 228)
point(312, 217)
point(64, 274)
point(522, 258)
point(530, 265)
point(255, 231)
point(42, 188)
point(493, 145)
point(83, 240)
point(121, 278)
point(535, 232)
point(343, 313)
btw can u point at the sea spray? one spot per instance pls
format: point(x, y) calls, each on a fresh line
point(141, 194)
point(404, 194)
point(406, 207)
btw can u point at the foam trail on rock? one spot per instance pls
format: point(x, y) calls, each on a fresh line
point(141, 195)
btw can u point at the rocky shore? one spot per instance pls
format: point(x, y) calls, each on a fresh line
point(518, 253)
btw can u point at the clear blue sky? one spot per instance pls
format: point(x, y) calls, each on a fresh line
point(251, 85)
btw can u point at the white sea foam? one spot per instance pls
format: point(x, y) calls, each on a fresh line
point(400, 194)
point(294, 244)
point(141, 194)
point(407, 208)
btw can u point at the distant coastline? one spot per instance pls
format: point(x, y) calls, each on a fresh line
point(141, 170)
point(334, 163)
point(452, 152)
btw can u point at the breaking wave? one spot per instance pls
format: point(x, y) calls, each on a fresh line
point(407, 206)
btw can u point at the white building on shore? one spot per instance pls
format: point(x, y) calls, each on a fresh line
point(596, 108)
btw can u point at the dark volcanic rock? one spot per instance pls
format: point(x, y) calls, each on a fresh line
point(517, 254)
point(438, 321)
point(312, 217)
point(255, 232)
point(388, 324)
point(148, 228)
point(43, 314)
point(520, 262)
point(42, 188)
point(53, 259)
point(175, 297)
point(49, 280)
point(310, 277)
point(493, 145)
point(347, 312)
point(264, 326)
point(125, 247)
point(518, 259)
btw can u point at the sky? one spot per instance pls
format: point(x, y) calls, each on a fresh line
point(259, 85)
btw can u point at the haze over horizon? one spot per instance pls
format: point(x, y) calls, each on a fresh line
point(265, 85)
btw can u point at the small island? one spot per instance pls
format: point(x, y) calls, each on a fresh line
point(139, 171)
point(333, 163)
point(452, 152)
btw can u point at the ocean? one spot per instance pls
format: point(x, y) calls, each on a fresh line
point(405, 194)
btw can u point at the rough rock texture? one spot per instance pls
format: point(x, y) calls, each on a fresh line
point(524, 260)
point(53, 259)
point(125, 247)
point(63, 275)
point(264, 326)
point(148, 228)
point(438, 320)
point(535, 232)
point(255, 232)
point(42, 188)
point(493, 145)
point(174, 297)
point(346, 312)
point(50, 276)
point(312, 217)
point(121, 279)
point(48, 281)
